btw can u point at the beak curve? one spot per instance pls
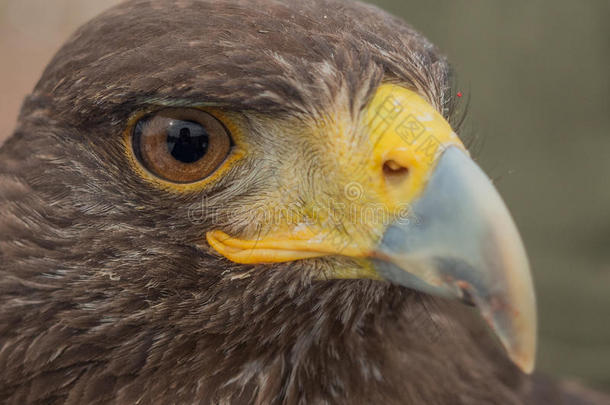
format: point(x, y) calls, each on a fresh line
point(458, 240)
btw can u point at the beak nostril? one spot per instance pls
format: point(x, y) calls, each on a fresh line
point(394, 170)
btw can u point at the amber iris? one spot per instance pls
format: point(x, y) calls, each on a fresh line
point(181, 145)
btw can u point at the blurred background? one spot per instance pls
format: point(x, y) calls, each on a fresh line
point(538, 77)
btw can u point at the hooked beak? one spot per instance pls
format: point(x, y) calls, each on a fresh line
point(456, 240)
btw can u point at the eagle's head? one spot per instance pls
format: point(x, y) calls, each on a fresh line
point(253, 201)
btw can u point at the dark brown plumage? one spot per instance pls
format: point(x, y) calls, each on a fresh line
point(107, 294)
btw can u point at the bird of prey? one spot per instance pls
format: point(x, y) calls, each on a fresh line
point(256, 202)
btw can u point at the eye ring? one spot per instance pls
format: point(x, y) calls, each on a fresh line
point(181, 145)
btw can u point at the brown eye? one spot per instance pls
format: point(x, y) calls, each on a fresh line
point(181, 145)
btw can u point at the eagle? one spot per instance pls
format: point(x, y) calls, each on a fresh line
point(257, 202)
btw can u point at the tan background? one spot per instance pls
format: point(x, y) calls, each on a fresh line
point(538, 74)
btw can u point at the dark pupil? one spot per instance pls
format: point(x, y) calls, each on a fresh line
point(187, 141)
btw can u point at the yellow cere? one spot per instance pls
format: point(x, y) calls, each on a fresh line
point(405, 129)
